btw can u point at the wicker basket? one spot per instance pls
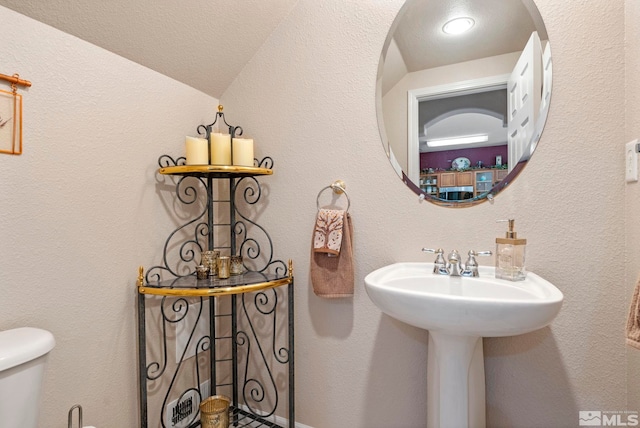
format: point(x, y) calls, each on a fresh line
point(214, 412)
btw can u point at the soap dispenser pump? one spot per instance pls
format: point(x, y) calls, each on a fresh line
point(510, 252)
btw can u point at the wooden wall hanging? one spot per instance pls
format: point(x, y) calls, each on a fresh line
point(11, 116)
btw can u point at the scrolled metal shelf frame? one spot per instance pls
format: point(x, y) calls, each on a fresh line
point(254, 303)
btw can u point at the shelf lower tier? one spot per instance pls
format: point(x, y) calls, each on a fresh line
point(241, 418)
point(236, 284)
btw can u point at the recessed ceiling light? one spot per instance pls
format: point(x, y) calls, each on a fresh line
point(458, 25)
point(455, 141)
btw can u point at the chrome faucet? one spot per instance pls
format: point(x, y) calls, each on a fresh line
point(451, 267)
point(454, 263)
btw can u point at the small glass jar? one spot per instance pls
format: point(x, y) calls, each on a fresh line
point(236, 265)
point(223, 267)
point(202, 272)
point(210, 260)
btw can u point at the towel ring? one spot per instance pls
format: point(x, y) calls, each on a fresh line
point(338, 187)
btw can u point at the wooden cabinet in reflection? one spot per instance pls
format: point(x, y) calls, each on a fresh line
point(456, 179)
point(500, 174)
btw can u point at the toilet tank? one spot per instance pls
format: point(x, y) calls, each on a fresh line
point(23, 354)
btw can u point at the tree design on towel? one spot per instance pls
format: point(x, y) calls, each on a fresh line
point(328, 231)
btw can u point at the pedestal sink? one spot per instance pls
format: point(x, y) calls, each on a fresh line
point(458, 312)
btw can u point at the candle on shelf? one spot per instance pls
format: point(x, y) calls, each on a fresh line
point(243, 151)
point(220, 149)
point(197, 151)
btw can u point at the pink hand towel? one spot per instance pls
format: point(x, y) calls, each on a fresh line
point(633, 321)
point(333, 277)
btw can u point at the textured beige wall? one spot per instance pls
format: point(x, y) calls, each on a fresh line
point(632, 190)
point(82, 205)
point(308, 99)
point(81, 209)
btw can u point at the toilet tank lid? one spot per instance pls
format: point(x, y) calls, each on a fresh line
point(19, 345)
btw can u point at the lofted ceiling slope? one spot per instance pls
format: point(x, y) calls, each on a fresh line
point(502, 26)
point(202, 43)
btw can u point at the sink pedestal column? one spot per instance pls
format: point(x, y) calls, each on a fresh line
point(455, 381)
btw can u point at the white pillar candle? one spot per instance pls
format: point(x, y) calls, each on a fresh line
point(243, 151)
point(220, 149)
point(197, 151)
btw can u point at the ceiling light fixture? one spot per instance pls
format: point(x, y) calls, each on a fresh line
point(456, 141)
point(458, 25)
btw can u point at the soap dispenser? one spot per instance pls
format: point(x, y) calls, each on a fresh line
point(510, 255)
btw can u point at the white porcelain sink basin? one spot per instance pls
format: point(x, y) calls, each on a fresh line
point(483, 306)
point(458, 312)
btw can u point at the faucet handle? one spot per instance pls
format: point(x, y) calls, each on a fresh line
point(471, 261)
point(471, 266)
point(439, 263)
point(480, 253)
point(431, 250)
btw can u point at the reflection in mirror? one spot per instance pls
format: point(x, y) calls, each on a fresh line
point(461, 114)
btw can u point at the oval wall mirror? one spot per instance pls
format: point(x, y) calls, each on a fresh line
point(461, 112)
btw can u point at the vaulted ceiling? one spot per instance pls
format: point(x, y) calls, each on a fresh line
point(202, 43)
point(206, 43)
point(502, 26)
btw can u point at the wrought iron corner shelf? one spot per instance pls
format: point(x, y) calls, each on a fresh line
point(250, 339)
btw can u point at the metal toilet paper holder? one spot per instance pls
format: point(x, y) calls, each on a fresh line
point(79, 407)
